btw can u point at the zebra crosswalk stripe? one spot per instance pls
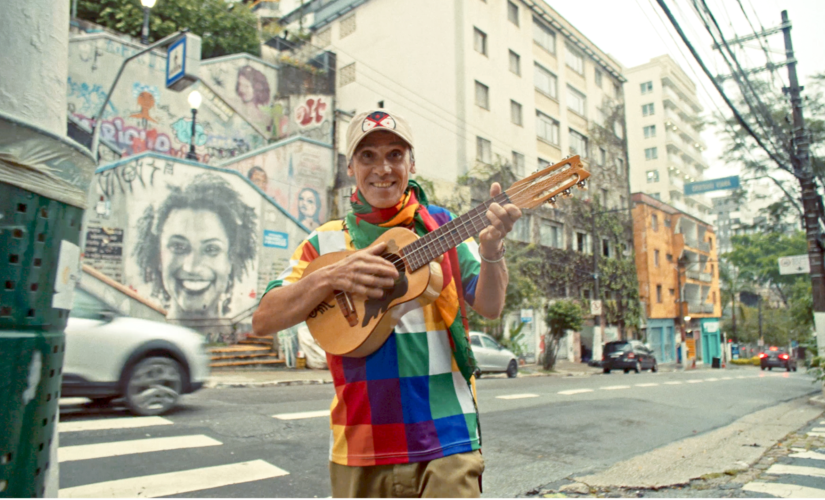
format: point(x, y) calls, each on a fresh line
point(784, 490)
point(111, 423)
point(120, 448)
point(798, 470)
point(175, 483)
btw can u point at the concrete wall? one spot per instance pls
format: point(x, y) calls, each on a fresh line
point(200, 241)
point(120, 298)
point(34, 64)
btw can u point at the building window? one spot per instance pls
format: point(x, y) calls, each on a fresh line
point(598, 78)
point(668, 256)
point(652, 176)
point(667, 221)
point(578, 144)
point(617, 91)
point(656, 195)
point(518, 164)
point(651, 153)
point(515, 63)
point(620, 167)
point(515, 112)
point(346, 74)
point(480, 41)
point(622, 202)
point(650, 131)
point(484, 152)
point(544, 36)
point(713, 297)
point(602, 157)
point(574, 59)
point(654, 222)
point(347, 27)
point(659, 294)
point(482, 95)
point(712, 269)
point(606, 248)
point(545, 81)
point(647, 109)
point(543, 163)
point(618, 130)
point(581, 242)
point(604, 197)
point(656, 258)
point(551, 234)
point(547, 128)
point(512, 13)
point(710, 242)
point(576, 101)
point(323, 38)
point(672, 292)
point(647, 87)
point(521, 229)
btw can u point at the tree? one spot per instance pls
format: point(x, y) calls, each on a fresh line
point(224, 27)
point(560, 316)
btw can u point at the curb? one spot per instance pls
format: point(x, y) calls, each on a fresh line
point(274, 383)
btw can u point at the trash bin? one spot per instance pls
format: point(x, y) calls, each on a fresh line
point(33, 230)
point(716, 363)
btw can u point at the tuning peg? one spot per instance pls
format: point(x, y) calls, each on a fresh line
point(552, 201)
point(566, 193)
point(582, 185)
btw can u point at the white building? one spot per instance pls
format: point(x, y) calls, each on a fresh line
point(663, 139)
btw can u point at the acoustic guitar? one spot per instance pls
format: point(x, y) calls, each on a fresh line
point(356, 326)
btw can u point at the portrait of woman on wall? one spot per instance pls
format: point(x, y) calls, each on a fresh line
point(253, 90)
point(309, 208)
point(193, 249)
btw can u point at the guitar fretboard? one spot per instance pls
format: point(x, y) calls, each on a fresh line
point(427, 248)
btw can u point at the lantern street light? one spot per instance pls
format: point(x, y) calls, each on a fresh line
point(147, 6)
point(194, 103)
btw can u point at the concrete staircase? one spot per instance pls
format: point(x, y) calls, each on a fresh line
point(252, 352)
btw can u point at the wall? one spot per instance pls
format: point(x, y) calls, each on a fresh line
point(34, 62)
point(201, 242)
point(295, 173)
point(143, 115)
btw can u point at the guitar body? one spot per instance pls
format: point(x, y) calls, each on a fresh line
point(356, 326)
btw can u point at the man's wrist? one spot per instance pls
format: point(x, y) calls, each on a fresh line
point(491, 257)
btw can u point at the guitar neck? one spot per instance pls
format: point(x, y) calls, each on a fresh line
point(430, 246)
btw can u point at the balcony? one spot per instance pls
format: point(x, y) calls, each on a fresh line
point(696, 308)
point(706, 277)
point(692, 135)
point(703, 246)
point(707, 308)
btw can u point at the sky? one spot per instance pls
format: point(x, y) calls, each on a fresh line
point(634, 31)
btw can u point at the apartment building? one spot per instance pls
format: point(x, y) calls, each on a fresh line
point(677, 265)
point(663, 135)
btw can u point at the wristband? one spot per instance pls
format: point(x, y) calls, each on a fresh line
point(493, 261)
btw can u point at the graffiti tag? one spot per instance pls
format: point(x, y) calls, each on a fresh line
point(311, 112)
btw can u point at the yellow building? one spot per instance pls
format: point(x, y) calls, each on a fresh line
point(677, 265)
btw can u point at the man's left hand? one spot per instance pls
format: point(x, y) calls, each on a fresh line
point(502, 219)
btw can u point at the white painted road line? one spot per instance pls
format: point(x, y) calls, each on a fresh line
point(652, 384)
point(816, 434)
point(575, 391)
point(673, 383)
point(806, 454)
point(798, 470)
point(120, 448)
point(818, 429)
point(305, 414)
point(111, 423)
point(175, 483)
point(614, 387)
point(72, 401)
point(711, 379)
point(783, 490)
point(741, 377)
point(518, 396)
point(695, 381)
point(726, 378)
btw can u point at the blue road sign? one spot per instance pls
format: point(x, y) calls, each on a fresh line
point(712, 185)
point(176, 61)
point(276, 239)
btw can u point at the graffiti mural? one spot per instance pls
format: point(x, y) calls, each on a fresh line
point(248, 84)
point(296, 175)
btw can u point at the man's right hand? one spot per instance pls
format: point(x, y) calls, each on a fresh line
point(364, 273)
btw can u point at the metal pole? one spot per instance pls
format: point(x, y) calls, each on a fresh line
point(810, 199)
point(96, 133)
point(597, 320)
point(191, 155)
point(759, 309)
point(680, 316)
point(144, 34)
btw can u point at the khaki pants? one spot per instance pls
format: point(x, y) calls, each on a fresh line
point(454, 476)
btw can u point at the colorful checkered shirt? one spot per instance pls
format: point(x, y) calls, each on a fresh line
point(407, 401)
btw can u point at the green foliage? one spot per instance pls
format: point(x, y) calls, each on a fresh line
point(514, 342)
point(225, 27)
point(778, 325)
point(560, 316)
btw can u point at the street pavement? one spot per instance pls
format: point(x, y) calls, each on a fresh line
point(537, 431)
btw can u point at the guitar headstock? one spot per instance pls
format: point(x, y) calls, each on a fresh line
point(545, 185)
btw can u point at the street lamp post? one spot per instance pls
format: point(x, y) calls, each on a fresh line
point(194, 103)
point(147, 6)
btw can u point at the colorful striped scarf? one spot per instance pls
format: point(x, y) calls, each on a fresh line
point(366, 223)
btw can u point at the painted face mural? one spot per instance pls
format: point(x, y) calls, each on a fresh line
point(309, 205)
point(258, 177)
point(193, 249)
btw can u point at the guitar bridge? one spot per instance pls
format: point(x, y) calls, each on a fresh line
point(347, 308)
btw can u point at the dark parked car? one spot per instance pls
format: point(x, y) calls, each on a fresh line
point(628, 355)
point(776, 357)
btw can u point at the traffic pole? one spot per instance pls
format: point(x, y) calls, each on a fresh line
point(811, 201)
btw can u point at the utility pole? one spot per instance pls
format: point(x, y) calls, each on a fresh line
point(597, 320)
point(759, 309)
point(801, 161)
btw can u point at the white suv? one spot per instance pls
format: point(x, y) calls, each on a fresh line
point(149, 364)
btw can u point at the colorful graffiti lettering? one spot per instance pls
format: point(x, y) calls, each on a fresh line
point(132, 139)
point(311, 112)
point(92, 98)
point(183, 132)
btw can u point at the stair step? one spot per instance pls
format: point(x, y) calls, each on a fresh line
point(248, 363)
point(240, 349)
point(243, 356)
point(255, 342)
point(262, 338)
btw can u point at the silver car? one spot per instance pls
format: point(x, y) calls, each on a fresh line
point(492, 356)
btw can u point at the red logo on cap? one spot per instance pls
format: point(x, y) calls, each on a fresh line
point(378, 119)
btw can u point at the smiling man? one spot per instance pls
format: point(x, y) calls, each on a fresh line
point(403, 422)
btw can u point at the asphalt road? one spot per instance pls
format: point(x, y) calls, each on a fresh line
point(535, 430)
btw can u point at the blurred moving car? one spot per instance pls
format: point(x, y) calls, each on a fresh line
point(628, 355)
point(776, 357)
point(492, 356)
point(148, 364)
